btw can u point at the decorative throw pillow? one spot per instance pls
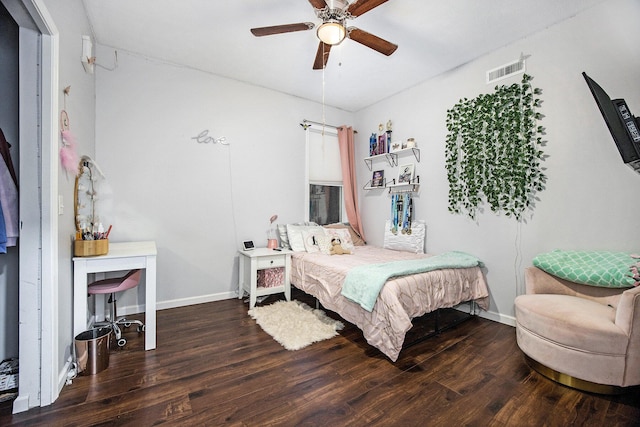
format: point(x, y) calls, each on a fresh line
point(294, 233)
point(315, 241)
point(342, 234)
point(413, 242)
point(355, 237)
point(284, 237)
point(595, 268)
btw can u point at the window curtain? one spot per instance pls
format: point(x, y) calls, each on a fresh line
point(347, 159)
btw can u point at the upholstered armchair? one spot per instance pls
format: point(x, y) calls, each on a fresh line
point(586, 337)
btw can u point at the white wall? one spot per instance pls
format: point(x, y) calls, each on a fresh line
point(198, 201)
point(591, 198)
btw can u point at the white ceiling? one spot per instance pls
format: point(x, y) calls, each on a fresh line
point(213, 35)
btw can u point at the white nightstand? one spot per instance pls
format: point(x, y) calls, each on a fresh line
point(260, 259)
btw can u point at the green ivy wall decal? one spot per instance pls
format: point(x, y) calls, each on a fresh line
point(493, 151)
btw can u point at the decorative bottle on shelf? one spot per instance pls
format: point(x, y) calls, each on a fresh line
point(373, 145)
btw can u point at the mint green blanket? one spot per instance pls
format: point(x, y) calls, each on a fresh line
point(363, 283)
point(595, 268)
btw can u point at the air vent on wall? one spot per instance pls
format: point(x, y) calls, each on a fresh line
point(506, 70)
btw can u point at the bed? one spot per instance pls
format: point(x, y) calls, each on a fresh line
point(400, 300)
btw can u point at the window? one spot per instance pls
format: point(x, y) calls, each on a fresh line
point(325, 203)
point(323, 198)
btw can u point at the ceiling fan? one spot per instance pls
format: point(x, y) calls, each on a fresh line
point(333, 31)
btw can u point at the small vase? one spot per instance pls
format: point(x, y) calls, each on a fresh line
point(272, 243)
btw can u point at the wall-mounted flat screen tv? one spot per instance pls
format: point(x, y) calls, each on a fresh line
point(624, 127)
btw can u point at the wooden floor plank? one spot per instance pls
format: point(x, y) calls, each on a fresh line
point(215, 366)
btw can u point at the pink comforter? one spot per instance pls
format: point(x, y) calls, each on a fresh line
point(401, 299)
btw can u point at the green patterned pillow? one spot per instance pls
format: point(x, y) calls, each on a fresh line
point(596, 268)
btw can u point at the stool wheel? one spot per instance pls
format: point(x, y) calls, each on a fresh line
point(127, 324)
point(141, 328)
point(122, 342)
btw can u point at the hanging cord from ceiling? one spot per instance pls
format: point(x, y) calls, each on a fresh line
point(323, 89)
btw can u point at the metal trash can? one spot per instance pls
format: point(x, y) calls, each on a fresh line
point(92, 350)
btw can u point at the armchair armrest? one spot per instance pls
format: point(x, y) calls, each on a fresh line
point(628, 311)
point(628, 319)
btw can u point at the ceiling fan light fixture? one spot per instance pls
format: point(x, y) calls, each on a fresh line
point(331, 32)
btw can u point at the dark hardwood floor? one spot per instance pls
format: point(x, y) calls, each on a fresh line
point(215, 366)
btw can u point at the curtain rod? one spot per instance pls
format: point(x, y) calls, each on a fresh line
point(305, 124)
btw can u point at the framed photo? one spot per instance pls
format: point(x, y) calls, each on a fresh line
point(405, 174)
point(382, 143)
point(395, 146)
point(377, 180)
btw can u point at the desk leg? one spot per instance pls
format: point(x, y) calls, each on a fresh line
point(99, 302)
point(79, 297)
point(150, 304)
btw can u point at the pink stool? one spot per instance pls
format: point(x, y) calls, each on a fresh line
point(111, 286)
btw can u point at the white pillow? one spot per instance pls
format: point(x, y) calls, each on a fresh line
point(294, 233)
point(413, 242)
point(315, 241)
point(342, 234)
point(284, 239)
point(282, 233)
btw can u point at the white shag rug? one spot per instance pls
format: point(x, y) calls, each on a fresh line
point(294, 324)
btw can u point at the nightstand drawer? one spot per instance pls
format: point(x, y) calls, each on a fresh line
point(270, 261)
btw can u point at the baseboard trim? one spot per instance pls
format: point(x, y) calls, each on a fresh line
point(20, 404)
point(490, 315)
point(497, 317)
point(180, 302)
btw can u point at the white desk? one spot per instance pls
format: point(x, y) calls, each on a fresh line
point(121, 256)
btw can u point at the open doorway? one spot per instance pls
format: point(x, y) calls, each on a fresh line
point(37, 247)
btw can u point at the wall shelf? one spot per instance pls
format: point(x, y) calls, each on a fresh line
point(405, 187)
point(389, 157)
point(392, 158)
point(368, 185)
point(414, 150)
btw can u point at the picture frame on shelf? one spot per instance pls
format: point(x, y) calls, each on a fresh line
point(382, 143)
point(377, 179)
point(405, 173)
point(395, 146)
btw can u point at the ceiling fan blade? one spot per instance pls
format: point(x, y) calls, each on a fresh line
point(279, 29)
point(322, 56)
point(360, 7)
point(369, 40)
point(318, 4)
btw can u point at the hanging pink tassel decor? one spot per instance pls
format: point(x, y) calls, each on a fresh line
point(68, 155)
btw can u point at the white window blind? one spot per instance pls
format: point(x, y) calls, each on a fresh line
point(324, 157)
